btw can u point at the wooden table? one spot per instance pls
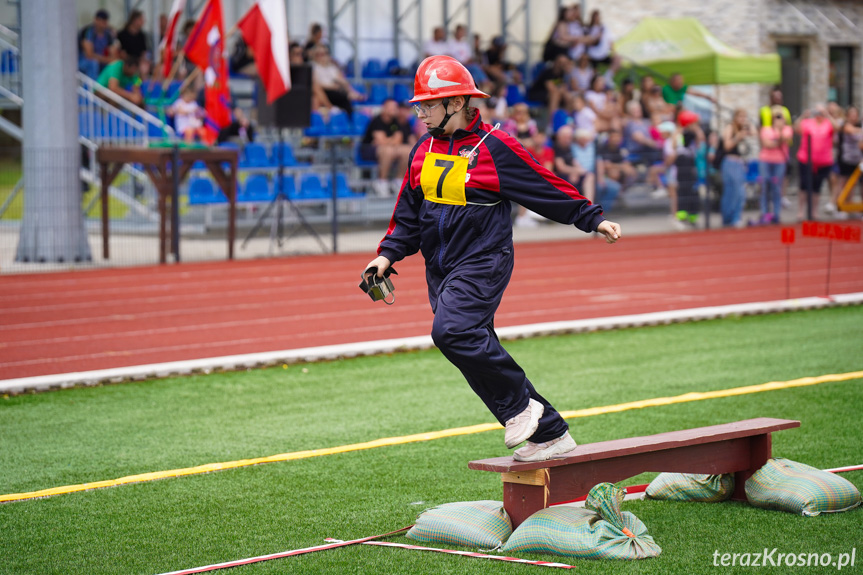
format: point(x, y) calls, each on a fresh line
point(158, 163)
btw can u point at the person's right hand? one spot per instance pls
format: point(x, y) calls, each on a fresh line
point(379, 262)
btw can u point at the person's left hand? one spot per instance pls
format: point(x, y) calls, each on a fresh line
point(610, 230)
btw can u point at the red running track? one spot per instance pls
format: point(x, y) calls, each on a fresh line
point(98, 319)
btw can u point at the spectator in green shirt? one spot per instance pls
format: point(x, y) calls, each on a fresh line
point(121, 77)
point(676, 90)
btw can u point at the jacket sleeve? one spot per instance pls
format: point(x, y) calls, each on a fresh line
point(403, 234)
point(525, 181)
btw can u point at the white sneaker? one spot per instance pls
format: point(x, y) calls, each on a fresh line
point(523, 425)
point(829, 208)
point(396, 185)
point(677, 224)
point(542, 451)
point(381, 188)
point(659, 193)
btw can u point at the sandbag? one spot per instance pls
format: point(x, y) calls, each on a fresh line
point(691, 487)
point(597, 531)
point(798, 488)
point(478, 524)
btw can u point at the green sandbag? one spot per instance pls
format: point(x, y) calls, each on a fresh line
point(798, 488)
point(691, 487)
point(597, 531)
point(477, 524)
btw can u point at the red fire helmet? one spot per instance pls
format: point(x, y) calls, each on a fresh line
point(443, 77)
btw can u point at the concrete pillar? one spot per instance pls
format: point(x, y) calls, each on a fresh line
point(53, 226)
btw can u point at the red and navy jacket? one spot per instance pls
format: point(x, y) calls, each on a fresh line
point(500, 171)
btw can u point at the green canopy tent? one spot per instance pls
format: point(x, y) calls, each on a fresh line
point(684, 45)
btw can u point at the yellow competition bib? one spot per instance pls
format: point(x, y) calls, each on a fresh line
point(443, 178)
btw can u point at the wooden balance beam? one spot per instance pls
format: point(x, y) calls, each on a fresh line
point(741, 447)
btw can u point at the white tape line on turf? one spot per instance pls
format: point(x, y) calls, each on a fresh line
point(347, 350)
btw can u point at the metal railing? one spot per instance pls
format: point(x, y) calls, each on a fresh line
point(106, 118)
point(10, 68)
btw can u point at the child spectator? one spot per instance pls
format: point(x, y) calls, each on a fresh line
point(520, 125)
point(188, 116)
point(583, 116)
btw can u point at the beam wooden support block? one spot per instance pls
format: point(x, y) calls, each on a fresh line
point(741, 447)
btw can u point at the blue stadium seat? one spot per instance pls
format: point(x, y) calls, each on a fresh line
point(151, 89)
point(393, 67)
point(373, 68)
point(343, 190)
point(311, 188)
point(359, 87)
point(359, 161)
point(255, 156)
point(537, 70)
point(377, 95)
point(401, 93)
point(340, 125)
point(514, 95)
point(560, 118)
point(8, 62)
point(173, 91)
point(202, 191)
point(349, 69)
point(289, 186)
point(360, 124)
point(286, 150)
point(257, 189)
point(317, 126)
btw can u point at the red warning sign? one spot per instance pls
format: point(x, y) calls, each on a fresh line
point(844, 233)
point(787, 235)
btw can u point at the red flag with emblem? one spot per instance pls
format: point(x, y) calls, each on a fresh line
point(205, 48)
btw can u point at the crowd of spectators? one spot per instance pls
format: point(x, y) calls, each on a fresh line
point(593, 123)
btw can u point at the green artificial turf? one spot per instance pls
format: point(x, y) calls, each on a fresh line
point(92, 434)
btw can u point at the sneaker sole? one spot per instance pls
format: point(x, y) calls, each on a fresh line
point(539, 409)
point(554, 452)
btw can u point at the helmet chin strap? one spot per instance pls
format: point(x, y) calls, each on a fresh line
point(438, 131)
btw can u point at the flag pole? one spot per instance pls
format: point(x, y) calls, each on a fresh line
point(181, 58)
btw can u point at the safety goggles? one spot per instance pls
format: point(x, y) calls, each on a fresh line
point(425, 110)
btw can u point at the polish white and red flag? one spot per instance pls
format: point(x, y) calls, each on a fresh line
point(169, 41)
point(265, 31)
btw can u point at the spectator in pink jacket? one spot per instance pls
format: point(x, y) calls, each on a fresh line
point(816, 133)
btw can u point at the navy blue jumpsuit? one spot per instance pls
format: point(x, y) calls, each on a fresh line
point(468, 252)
